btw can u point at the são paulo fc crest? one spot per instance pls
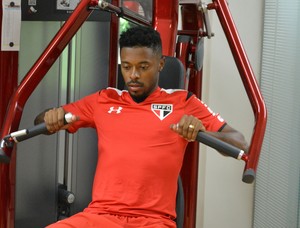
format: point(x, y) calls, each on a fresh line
point(162, 110)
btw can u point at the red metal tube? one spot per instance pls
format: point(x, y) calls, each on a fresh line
point(8, 84)
point(250, 84)
point(113, 50)
point(191, 23)
point(165, 21)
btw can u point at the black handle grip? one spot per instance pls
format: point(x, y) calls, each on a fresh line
point(18, 136)
point(220, 145)
point(39, 129)
point(31, 132)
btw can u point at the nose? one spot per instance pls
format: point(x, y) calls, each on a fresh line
point(134, 74)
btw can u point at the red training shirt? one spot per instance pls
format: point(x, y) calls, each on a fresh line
point(139, 156)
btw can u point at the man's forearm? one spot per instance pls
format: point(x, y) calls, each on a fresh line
point(234, 138)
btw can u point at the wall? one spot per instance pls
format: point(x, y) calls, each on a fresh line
point(223, 199)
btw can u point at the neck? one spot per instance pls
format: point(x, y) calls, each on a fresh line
point(143, 97)
point(139, 99)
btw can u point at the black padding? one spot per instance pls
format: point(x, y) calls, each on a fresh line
point(120, 80)
point(3, 157)
point(189, 95)
point(179, 204)
point(171, 76)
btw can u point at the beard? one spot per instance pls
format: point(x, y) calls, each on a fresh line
point(139, 98)
point(135, 97)
point(142, 96)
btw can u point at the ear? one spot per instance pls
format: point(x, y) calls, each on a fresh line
point(161, 63)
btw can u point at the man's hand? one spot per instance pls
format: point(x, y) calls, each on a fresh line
point(188, 127)
point(54, 119)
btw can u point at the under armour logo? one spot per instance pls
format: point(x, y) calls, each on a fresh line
point(113, 109)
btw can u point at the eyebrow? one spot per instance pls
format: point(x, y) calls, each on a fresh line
point(143, 62)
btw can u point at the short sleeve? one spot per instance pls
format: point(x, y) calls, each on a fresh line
point(84, 109)
point(212, 121)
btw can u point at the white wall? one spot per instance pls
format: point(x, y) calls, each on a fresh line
point(223, 199)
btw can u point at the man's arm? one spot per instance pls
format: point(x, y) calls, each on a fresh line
point(189, 126)
point(231, 136)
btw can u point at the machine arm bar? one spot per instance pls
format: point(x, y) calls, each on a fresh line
point(250, 85)
point(21, 135)
point(221, 146)
point(40, 68)
point(202, 137)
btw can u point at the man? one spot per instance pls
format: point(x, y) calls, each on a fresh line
point(140, 150)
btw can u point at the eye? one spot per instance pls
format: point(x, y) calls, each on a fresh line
point(144, 67)
point(126, 67)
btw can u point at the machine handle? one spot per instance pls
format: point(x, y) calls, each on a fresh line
point(230, 150)
point(24, 134)
point(38, 129)
point(221, 146)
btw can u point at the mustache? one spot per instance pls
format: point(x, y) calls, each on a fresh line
point(130, 83)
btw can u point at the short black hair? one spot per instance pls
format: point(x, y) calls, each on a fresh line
point(141, 36)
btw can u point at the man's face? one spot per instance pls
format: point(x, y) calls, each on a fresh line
point(140, 68)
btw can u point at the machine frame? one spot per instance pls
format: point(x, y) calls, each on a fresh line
point(165, 20)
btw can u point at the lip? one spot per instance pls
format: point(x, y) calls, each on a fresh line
point(134, 87)
point(134, 84)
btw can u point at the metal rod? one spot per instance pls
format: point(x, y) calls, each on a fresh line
point(249, 82)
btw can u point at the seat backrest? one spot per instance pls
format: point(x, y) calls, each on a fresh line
point(179, 204)
point(171, 76)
